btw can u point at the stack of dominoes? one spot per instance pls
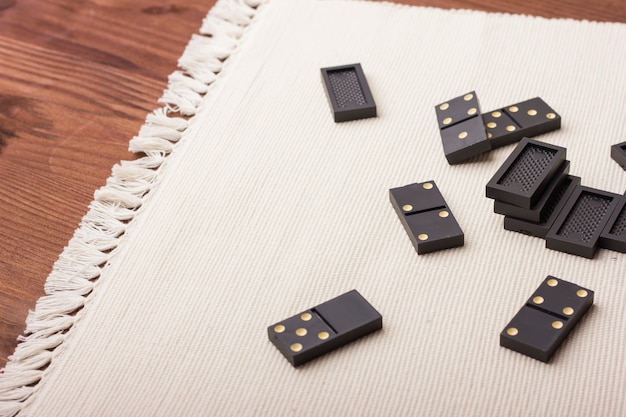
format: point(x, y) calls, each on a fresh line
point(538, 197)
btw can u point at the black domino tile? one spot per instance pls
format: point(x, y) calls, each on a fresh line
point(461, 127)
point(614, 234)
point(464, 140)
point(618, 153)
point(348, 93)
point(426, 217)
point(534, 116)
point(501, 129)
point(325, 327)
point(555, 204)
point(547, 318)
point(457, 110)
point(525, 119)
point(534, 213)
point(526, 173)
point(578, 227)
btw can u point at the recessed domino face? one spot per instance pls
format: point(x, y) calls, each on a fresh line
point(426, 217)
point(325, 327)
point(526, 119)
point(614, 235)
point(525, 174)
point(348, 93)
point(553, 208)
point(578, 227)
point(535, 213)
point(461, 128)
point(618, 153)
point(546, 319)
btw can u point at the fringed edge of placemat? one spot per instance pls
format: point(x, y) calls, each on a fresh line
point(74, 275)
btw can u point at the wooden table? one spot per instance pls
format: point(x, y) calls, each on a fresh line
point(76, 82)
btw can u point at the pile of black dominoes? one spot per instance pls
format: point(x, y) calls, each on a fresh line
point(533, 189)
point(538, 197)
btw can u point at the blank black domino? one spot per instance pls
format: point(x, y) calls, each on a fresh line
point(618, 153)
point(426, 217)
point(534, 213)
point(546, 319)
point(325, 327)
point(578, 227)
point(526, 173)
point(461, 127)
point(614, 235)
point(553, 208)
point(348, 93)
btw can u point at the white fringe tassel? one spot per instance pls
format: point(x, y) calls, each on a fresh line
point(102, 229)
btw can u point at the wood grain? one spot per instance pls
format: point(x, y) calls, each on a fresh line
point(77, 78)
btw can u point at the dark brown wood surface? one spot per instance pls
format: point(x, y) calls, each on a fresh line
point(77, 79)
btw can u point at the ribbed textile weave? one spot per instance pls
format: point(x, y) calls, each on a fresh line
point(266, 207)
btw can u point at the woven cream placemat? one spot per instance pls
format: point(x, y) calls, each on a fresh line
point(260, 206)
